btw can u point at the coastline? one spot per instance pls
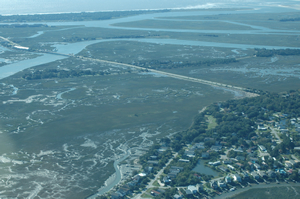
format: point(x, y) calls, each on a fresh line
point(114, 179)
point(229, 195)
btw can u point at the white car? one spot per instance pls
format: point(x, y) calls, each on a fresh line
point(232, 189)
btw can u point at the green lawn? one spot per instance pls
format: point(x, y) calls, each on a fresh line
point(211, 122)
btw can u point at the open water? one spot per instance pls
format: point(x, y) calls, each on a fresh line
point(13, 7)
point(68, 174)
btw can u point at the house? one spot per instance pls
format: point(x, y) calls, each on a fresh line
point(240, 158)
point(239, 165)
point(253, 138)
point(255, 175)
point(115, 196)
point(126, 186)
point(152, 162)
point(227, 179)
point(262, 148)
point(176, 196)
point(199, 145)
point(155, 193)
point(162, 149)
point(253, 159)
point(136, 179)
point(251, 165)
point(215, 163)
point(177, 168)
point(190, 153)
point(131, 183)
point(142, 174)
point(271, 174)
point(191, 189)
point(183, 160)
point(227, 161)
point(262, 174)
point(223, 168)
point(161, 190)
point(245, 175)
point(124, 190)
point(153, 157)
point(221, 184)
point(237, 178)
point(214, 184)
point(288, 164)
point(257, 166)
point(281, 171)
point(216, 148)
point(292, 162)
point(239, 150)
point(120, 194)
point(148, 170)
point(166, 180)
point(261, 127)
point(172, 175)
point(200, 187)
point(197, 176)
point(174, 171)
point(231, 167)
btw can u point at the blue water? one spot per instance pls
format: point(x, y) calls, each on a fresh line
point(9, 7)
point(11, 69)
point(201, 168)
point(75, 48)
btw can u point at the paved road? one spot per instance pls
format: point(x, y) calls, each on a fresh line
point(191, 79)
point(275, 133)
point(150, 184)
point(186, 78)
point(295, 158)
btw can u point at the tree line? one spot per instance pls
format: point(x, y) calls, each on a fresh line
point(271, 52)
point(169, 64)
point(83, 16)
point(55, 73)
point(290, 19)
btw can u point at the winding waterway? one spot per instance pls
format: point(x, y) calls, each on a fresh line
point(75, 48)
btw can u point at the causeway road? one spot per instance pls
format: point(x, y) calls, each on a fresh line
point(172, 75)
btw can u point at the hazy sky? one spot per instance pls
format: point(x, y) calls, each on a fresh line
point(46, 6)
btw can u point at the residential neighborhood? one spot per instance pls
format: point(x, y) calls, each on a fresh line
point(268, 153)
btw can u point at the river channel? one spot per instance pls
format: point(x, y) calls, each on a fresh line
point(75, 48)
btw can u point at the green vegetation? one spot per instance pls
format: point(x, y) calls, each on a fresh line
point(77, 103)
point(83, 16)
point(20, 32)
point(290, 19)
point(197, 25)
point(171, 64)
point(54, 73)
point(211, 122)
point(269, 53)
point(162, 158)
point(156, 184)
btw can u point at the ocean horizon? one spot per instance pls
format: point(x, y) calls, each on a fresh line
point(30, 7)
